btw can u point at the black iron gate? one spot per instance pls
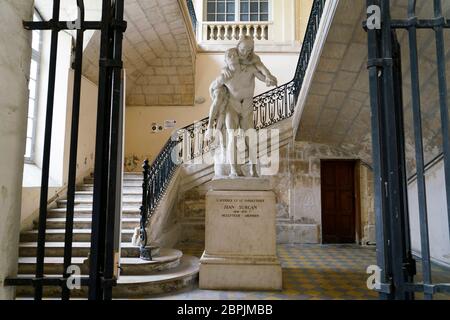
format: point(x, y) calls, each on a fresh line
point(107, 188)
point(394, 254)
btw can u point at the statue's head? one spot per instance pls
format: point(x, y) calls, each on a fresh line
point(232, 58)
point(246, 47)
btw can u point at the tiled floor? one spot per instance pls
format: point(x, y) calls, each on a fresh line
point(312, 272)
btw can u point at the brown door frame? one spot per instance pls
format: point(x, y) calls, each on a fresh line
point(357, 196)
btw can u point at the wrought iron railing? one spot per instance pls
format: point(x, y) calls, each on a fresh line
point(189, 142)
point(191, 9)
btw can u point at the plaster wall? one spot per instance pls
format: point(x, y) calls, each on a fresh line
point(438, 225)
point(15, 57)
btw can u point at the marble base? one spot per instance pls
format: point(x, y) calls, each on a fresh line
point(240, 237)
point(229, 273)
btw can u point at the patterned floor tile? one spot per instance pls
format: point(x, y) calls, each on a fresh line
point(313, 272)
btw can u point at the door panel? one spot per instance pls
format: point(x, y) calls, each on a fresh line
point(338, 201)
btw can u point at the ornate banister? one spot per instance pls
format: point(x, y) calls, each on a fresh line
point(193, 15)
point(144, 252)
point(188, 143)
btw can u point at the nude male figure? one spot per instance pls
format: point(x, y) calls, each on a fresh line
point(232, 93)
point(237, 103)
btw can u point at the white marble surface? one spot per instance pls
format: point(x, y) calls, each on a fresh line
point(240, 238)
point(239, 184)
point(241, 223)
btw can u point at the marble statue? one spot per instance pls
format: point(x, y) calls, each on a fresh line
point(232, 107)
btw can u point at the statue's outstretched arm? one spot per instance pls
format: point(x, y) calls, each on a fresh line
point(269, 78)
point(219, 95)
point(218, 105)
point(260, 76)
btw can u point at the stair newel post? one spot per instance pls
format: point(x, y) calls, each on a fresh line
point(285, 106)
point(145, 253)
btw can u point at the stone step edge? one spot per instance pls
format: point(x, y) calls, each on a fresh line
point(162, 257)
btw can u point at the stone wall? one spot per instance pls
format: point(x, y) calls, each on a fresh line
point(298, 189)
point(157, 54)
point(298, 194)
point(367, 205)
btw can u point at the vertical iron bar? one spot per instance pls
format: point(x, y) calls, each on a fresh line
point(409, 267)
point(443, 96)
point(68, 238)
point(101, 165)
point(40, 256)
point(395, 209)
point(114, 145)
point(375, 73)
point(420, 164)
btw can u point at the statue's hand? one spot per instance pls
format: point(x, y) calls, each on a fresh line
point(271, 81)
point(209, 134)
point(227, 74)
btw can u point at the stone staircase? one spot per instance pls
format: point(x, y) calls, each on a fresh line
point(169, 271)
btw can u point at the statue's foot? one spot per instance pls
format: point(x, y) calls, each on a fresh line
point(233, 175)
point(254, 172)
point(236, 171)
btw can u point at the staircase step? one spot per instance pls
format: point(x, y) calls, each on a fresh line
point(79, 249)
point(81, 212)
point(132, 175)
point(85, 223)
point(83, 203)
point(129, 182)
point(52, 265)
point(125, 189)
point(183, 276)
point(79, 235)
point(88, 196)
point(27, 292)
point(130, 192)
point(166, 259)
point(134, 286)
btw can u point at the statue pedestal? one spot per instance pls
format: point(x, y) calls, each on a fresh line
point(240, 244)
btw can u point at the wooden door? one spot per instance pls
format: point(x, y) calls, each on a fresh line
point(338, 201)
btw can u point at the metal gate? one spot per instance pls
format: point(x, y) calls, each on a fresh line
point(394, 255)
point(108, 152)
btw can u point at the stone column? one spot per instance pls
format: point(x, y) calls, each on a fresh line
point(15, 57)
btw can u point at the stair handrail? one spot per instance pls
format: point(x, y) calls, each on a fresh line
point(193, 15)
point(269, 108)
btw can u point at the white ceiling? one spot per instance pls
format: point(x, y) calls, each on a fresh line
point(69, 10)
